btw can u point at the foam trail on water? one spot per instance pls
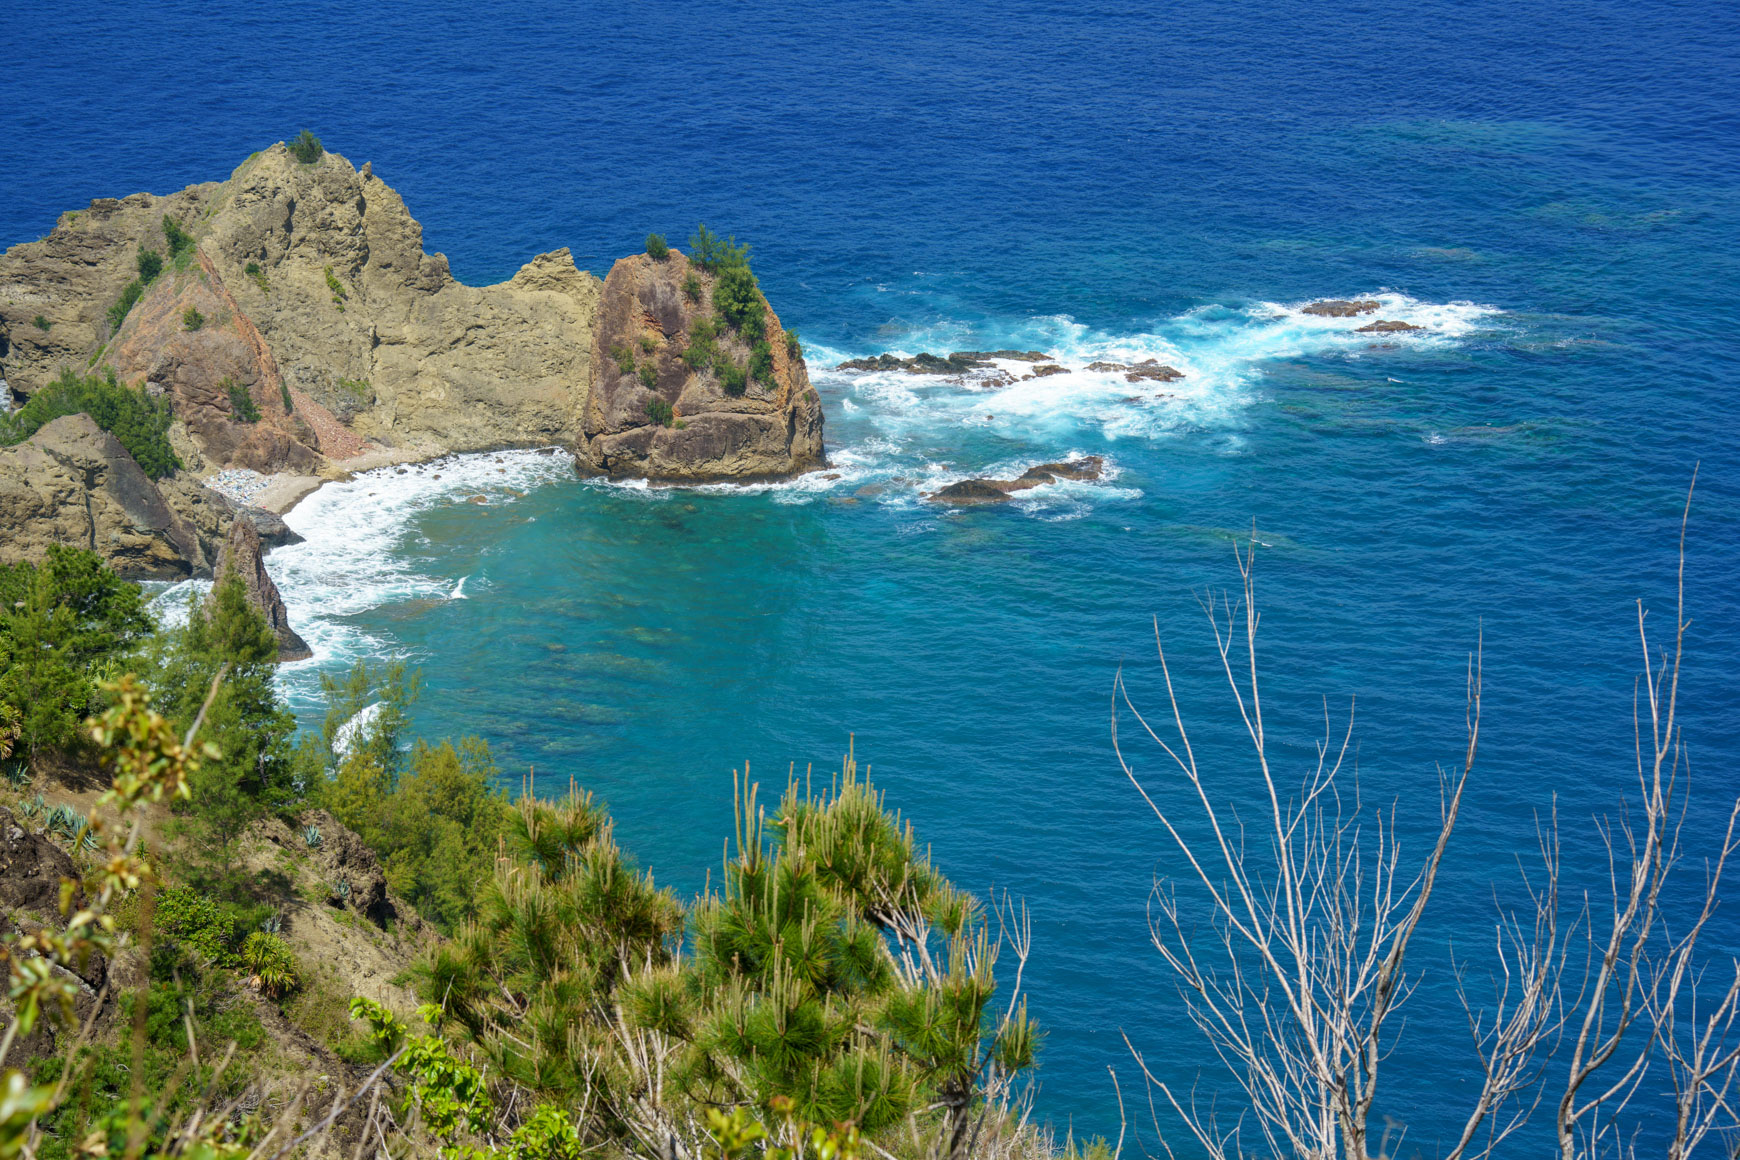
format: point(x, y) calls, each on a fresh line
point(355, 555)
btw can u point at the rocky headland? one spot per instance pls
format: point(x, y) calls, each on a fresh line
point(294, 324)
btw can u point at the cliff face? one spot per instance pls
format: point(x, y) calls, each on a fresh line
point(645, 324)
point(73, 483)
point(241, 557)
point(302, 322)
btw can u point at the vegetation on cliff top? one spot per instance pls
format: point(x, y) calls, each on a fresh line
point(138, 421)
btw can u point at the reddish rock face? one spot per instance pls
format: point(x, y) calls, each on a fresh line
point(645, 324)
point(198, 367)
point(242, 556)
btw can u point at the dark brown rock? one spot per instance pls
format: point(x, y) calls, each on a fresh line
point(1342, 307)
point(31, 869)
point(1043, 372)
point(1152, 370)
point(983, 491)
point(352, 873)
point(241, 556)
point(1388, 326)
point(972, 491)
point(960, 362)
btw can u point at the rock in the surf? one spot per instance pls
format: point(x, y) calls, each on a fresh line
point(970, 492)
point(680, 393)
point(1342, 307)
point(1388, 326)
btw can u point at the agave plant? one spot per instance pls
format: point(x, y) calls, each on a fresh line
point(32, 807)
point(271, 965)
point(311, 835)
point(272, 924)
point(342, 890)
point(63, 820)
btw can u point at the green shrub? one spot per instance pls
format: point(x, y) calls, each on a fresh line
point(62, 623)
point(306, 148)
point(660, 412)
point(129, 297)
point(140, 422)
point(268, 959)
point(195, 921)
point(649, 376)
point(656, 249)
point(761, 362)
point(180, 241)
point(738, 300)
point(714, 254)
point(284, 394)
point(192, 319)
point(733, 379)
point(252, 269)
point(150, 264)
point(692, 286)
point(648, 343)
point(42, 323)
point(242, 404)
point(703, 346)
point(339, 293)
point(624, 356)
point(793, 347)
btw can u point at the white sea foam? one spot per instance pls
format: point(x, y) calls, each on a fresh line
point(347, 735)
point(893, 438)
point(354, 555)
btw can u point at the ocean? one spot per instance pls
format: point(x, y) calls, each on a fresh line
point(1549, 191)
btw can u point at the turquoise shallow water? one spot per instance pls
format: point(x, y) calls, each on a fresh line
point(1548, 189)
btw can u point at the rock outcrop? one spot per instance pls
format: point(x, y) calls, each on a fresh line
point(1148, 370)
point(1342, 307)
point(959, 362)
point(1387, 326)
point(242, 557)
point(973, 492)
point(73, 483)
point(650, 414)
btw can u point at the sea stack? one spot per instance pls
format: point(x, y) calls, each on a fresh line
point(661, 409)
point(241, 556)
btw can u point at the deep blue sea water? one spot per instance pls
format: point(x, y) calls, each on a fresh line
point(1550, 189)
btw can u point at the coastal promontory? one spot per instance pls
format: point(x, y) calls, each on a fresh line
point(288, 322)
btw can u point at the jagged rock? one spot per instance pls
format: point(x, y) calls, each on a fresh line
point(1388, 326)
point(404, 353)
point(982, 491)
point(1152, 370)
point(771, 430)
point(352, 873)
point(72, 277)
point(241, 556)
point(73, 483)
point(925, 363)
point(1047, 371)
point(210, 514)
point(1342, 307)
point(31, 868)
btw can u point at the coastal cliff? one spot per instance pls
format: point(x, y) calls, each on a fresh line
point(677, 395)
point(294, 324)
